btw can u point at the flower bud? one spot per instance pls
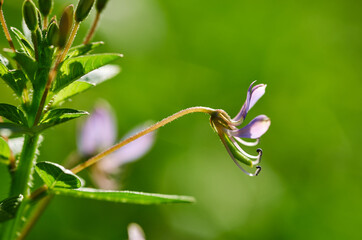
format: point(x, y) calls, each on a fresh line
point(100, 4)
point(83, 9)
point(65, 25)
point(45, 6)
point(53, 33)
point(30, 15)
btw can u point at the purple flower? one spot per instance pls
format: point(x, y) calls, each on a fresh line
point(232, 136)
point(98, 133)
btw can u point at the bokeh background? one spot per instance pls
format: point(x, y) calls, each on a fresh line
point(187, 53)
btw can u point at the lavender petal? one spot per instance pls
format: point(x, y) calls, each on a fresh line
point(255, 129)
point(98, 132)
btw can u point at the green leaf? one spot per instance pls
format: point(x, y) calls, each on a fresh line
point(83, 49)
point(74, 68)
point(124, 196)
point(60, 115)
point(24, 43)
point(87, 81)
point(8, 129)
point(28, 64)
point(9, 207)
point(4, 151)
point(56, 176)
point(12, 113)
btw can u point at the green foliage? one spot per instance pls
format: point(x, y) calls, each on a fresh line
point(124, 196)
point(56, 176)
point(86, 82)
point(4, 151)
point(15, 79)
point(60, 115)
point(12, 113)
point(83, 49)
point(9, 207)
point(74, 68)
point(24, 43)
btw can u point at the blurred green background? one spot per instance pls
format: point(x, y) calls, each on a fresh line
point(188, 53)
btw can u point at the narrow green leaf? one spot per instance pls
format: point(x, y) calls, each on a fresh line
point(83, 49)
point(124, 196)
point(56, 176)
point(71, 90)
point(4, 151)
point(15, 79)
point(60, 115)
point(9, 207)
point(87, 81)
point(24, 43)
point(28, 64)
point(74, 68)
point(12, 113)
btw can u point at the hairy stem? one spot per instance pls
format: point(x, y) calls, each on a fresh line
point(161, 123)
point(92, 29)
point(6, 30)
point(70, 41)
point(21, 184)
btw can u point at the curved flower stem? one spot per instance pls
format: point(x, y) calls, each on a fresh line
point(6, 30)
point(92, 30)
point(38, 193)
point(161, 123)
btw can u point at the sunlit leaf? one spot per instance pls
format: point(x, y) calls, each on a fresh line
point(124, 196)
point(4, 151)
point(24, 43)
point(83, 49)
point(56, 176)
point(58, 116)
point(74, 68)
point(28, 64)
point(9, 207)
point(12, 113)
point(87, 81)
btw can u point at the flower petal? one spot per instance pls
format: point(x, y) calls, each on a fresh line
point(255, 129)
point(253, 95)
point(98, 132)
point(128, 153)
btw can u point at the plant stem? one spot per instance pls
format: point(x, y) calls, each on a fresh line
point(35, 217)
point(161, 123)
point(21, 183)
point(93, 29)
point(38, 192)
point(53, 73)
point(6, 30)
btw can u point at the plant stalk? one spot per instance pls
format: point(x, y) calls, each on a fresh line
point(6, 30)
point(92, 29)
point(21, 183)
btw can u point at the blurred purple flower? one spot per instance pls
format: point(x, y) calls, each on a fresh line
point(232, 137)
point(97, 134)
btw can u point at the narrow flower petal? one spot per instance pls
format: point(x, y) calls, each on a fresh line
point(257, 92)
point(135, 232)
point(98, 132)
point(129, 152)
point(253, 95)
point(255, 129)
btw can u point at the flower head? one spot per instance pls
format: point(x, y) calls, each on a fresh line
point(233, 137)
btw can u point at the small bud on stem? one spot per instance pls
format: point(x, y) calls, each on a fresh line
point(30, 15)
point(100, 4)
point(83, 9)
point(65, 25)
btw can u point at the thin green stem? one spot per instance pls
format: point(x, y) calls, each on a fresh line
point(92, 29)
point(152, 128)
point(6, 30)
point(21, 183)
